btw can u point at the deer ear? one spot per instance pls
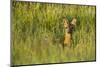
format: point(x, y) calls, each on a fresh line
point(65, 22)
point(74, 21)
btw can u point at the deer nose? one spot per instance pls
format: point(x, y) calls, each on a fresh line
point(70, 30)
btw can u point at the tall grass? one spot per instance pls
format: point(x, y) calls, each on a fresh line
point(37, 33)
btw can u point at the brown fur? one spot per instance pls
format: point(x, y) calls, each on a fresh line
point(68, 31)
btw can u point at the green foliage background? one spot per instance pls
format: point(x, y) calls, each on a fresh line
point(37, 33)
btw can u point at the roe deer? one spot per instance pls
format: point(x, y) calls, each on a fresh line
point(68, 31)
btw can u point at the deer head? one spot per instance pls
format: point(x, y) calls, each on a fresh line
point(69, 26)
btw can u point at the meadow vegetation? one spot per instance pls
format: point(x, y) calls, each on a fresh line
point(37, 33)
